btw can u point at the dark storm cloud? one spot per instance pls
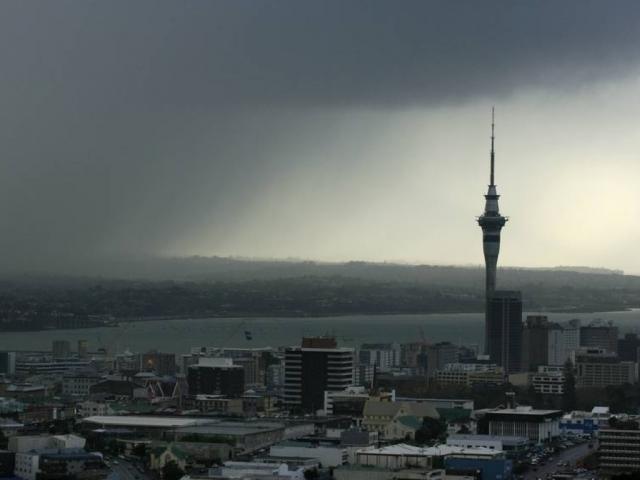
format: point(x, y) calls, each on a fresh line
point(200, 54)
point(123, 123)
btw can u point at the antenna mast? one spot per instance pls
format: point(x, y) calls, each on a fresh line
point(492, 141)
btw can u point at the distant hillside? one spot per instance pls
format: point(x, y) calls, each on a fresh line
point(203, 287)
point(227, 269)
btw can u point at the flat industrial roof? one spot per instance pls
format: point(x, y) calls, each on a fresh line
point(148, 421)
point(505, 439)
point(232, 428)
point(518, 411)
point(436, 451)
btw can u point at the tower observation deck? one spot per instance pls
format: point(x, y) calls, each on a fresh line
point(491, 223)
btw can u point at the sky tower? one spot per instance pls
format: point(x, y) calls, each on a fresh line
point(491, 223)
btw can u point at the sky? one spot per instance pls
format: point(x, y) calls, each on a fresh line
point(324, 130)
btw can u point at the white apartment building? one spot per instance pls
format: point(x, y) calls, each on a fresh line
point(562, 342)
point(77, 384)
point(383, 356)
point(470, 374)
point(549, 380)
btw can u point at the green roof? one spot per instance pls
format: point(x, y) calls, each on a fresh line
point(410, 421)
point(454, 414)
point(157, 451)
point(174, 449)
point(178, 452)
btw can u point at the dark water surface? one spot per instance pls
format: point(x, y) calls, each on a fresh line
point(179, 336)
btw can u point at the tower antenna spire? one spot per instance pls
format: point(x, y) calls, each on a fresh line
point(492, 141)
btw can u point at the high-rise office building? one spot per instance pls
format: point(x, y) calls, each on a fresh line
point(384, 356)
point(491, 223)
point(8, 363)
point(318, 365)
point(160, 363)
point(216, 376)
point(629, 347)
point(504, 329)
point(599, 334)
point(61, 349)
point(83, 349)
point(439, 355)
point(535, 342)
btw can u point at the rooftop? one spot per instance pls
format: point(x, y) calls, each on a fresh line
point(218, 427)
point(437, 451)
point(144, 421)
point(215, 362)
point(524, 410)
point(506, 440)
point(293, 443)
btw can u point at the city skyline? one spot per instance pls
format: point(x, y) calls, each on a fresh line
point(241, 240)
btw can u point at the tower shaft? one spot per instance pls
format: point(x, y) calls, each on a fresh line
point(491, 223)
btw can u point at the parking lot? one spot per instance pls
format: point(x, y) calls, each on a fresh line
point(562, 458)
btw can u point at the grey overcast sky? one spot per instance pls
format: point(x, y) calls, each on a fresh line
point(328, 130)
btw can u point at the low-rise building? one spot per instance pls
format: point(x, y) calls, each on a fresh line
point(436, 403)
point(25, 443)
point(187, 454)
point(69, 463)
point(512, 446)
point(215, 404)
point(244, 436)
point(327, 454)
point(470, 374)
point(161, 455)
point(351, 400)
point(548, 380)
point(78, 383)
point(10, 427)
point(48, 366)
point(45, 456)
point(90, 408)
point(524, 421)
point(119, 389)
point(262, 470)
point(409, 456)
point(585, 423)
point(490, 468)
point(366, 472)
point(396, 420)
point(127, 362)
point(26, 391)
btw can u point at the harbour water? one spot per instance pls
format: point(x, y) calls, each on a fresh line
point(179, 336)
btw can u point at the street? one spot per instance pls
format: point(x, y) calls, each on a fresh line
point(571, 455)
point(126, 471)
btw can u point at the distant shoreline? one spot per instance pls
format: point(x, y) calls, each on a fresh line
point(157, 318)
